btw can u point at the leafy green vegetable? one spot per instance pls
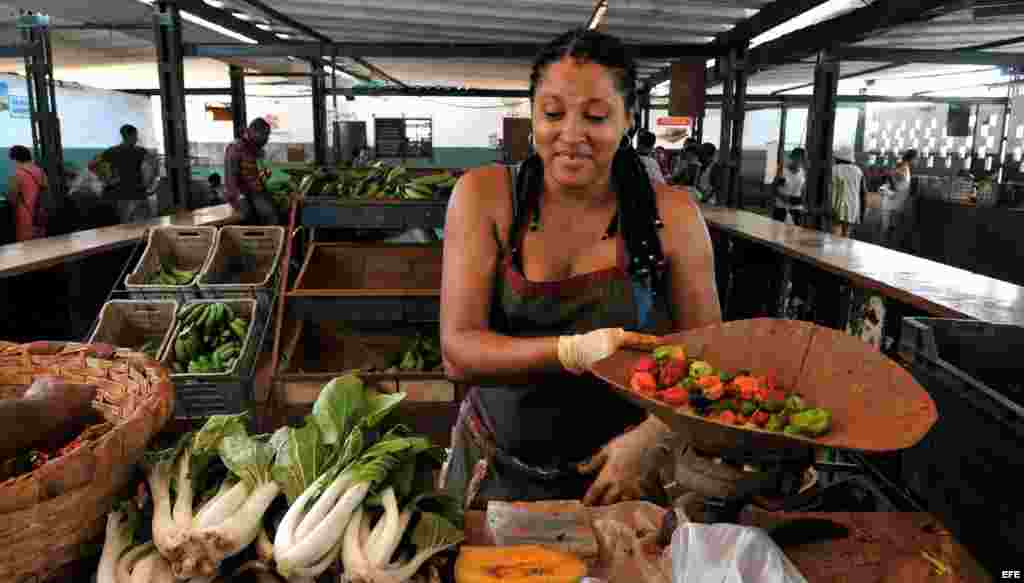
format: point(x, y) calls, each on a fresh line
point(379, 406)
point(341, 404)
point(248, 459)
point(301, 458)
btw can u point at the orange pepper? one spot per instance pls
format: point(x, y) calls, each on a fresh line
point(714, 392)
point(747, 387)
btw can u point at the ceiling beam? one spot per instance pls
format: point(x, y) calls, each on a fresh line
point(945, 57)
point(796, 100)
point(310, 31)
point(419, 50)
point(981, 47)
point(847, 28)
point(365, 92)
point(767, 18)
point(229, 21)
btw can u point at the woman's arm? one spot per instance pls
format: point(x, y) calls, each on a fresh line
point(12, 191)
point(693, 293)
point(472, 352)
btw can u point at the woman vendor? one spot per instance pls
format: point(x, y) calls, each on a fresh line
point(546, 265)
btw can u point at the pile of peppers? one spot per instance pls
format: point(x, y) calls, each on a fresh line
point(738, 399)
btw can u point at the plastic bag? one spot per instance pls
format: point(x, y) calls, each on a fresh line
point(728, 553)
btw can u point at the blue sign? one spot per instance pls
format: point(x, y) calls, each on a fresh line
point(19, 106)
point(3, 96)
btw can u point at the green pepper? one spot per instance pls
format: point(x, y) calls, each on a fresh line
point(775, 423)
point(792, 430)
point(724, 405)
point(795, 403)
point(748, 408)
point(812, 422)
point(670, 352)
point(726, 377)
point(701, 369)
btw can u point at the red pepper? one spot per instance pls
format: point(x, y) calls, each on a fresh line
point(644, 383)
point(676, 396)
point(760, 418)
point(770, 381)
point(727, 417)
point(646, 364)
point(740, 419)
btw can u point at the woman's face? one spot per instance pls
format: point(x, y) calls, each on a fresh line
point(579, 119)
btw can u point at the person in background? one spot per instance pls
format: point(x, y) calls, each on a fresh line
point(644, 146)
point(707, 181)
point(216, 186)
point(896, 220)
point(244, 189)
point(789, 188)
point(847, 193)
point(687, 167)
point(124, 169)
point(664, 160)
point(23, 190)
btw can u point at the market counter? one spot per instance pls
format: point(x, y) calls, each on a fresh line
point(39, 254)
point(934, 288)
point(880, 545)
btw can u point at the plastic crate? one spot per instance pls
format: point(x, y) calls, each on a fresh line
point(257, 251)
point(243, 308)
point(369, 284)
point(131, 323)
point(188, 248)
point(333, 213)
point(963, 468)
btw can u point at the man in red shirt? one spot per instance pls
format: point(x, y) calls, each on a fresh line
point(243, 186)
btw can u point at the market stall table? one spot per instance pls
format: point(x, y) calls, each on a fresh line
point(879, 543)
point(39, 254)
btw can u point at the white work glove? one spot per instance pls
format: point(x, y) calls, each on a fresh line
point(579, 353)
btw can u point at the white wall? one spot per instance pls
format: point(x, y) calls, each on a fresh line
point(457, 121)
point(90, 118)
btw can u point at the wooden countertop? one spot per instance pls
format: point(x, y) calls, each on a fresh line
point(879, 546)
point(18, 258)
point(940, 290)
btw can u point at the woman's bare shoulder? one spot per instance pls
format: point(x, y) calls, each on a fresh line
point(484, 193)
point(677, 203)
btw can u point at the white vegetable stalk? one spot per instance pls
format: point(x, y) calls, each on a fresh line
point(166, 535)
point(239, 531)
point(183, 499)
point(323, 505)
point(326, 534)
point(384, 532)
point(221, 507)
point(285, 534)
point(128, 562)
point(115, 544)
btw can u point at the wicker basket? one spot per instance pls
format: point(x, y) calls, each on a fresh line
point(48, 516)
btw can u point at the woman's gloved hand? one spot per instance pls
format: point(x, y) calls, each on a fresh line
point(580, 352)
point(628, 466)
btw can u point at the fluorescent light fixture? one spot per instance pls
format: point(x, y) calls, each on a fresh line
point(710, 64)
point(188, 16)
point(599, 15)
point(819, 13)
point(265, 27)
point(241, 16)
point(214, 3)
point(283, 36)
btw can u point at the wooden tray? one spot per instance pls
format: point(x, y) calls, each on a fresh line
point(876, 405)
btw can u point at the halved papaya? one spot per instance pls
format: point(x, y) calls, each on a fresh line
point(517, 564)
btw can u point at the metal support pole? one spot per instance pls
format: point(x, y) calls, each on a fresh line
point(783, 118)
point(739, 107)
point(171, 68)
point(42, 96)
point(820, 135)
point(645, 109)
point(238, 113)
point(725, 139)
point(319, 116)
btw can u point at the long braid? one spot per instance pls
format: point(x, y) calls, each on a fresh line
point(638, 211)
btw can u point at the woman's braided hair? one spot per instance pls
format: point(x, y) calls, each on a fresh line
point(638, 210)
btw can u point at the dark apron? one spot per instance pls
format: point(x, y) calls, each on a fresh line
point(524, 442)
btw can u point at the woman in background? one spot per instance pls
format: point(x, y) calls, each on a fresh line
point(896, 222)
point(23, 192)
point(847, 193)
point(789, 188)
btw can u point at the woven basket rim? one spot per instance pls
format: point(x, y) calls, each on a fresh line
point(150, 406)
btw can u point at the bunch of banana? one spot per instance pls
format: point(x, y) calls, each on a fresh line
point(169, 275)
point(429, 187)
point(150, 348)
point(210, 339)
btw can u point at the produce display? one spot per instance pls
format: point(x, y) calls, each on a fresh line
point(209, 340)
point(376, 182)
point(168, 274)
point(518, 563)
point(736, 399)
point(421, 354)
point(358, 492)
